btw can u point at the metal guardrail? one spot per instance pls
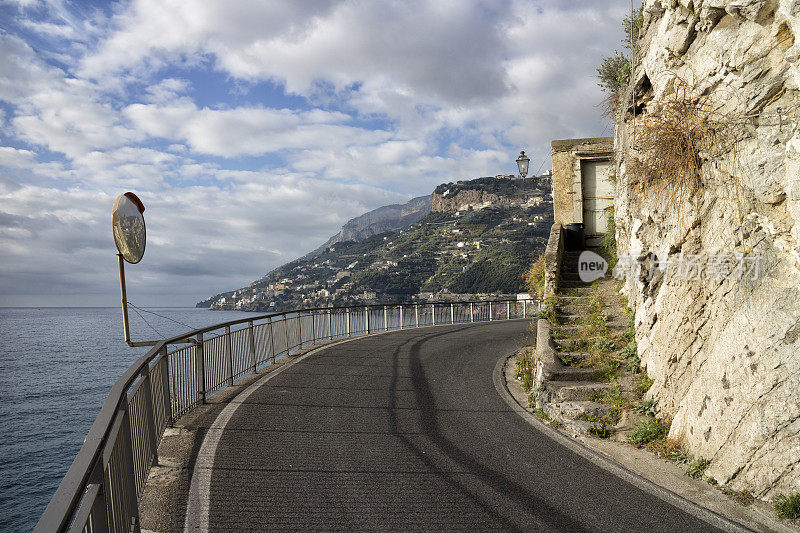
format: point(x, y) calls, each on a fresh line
point(101, 490)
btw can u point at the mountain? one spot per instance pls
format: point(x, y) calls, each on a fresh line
point(466, 239)
point(385, 219)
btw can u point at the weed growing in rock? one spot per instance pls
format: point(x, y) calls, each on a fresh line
point(630, 353)
point(697, 468)
point(788, 506)
point(600, 431)
point(567, 359)
point(541, 414)
point(548, 314)
point(647, 407)
point(604, 345)
point(643, 385)
point(524, 369)
point(646, 431)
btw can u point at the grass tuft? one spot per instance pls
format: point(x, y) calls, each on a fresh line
point(646, 431)
point(788, 506)
point(697, 468)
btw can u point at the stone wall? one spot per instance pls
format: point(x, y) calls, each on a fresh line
point(724, 352)
point(552, 260)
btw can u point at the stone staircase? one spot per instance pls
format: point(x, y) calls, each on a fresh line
point(567, 393)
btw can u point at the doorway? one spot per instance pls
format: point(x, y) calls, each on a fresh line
point(598, 198)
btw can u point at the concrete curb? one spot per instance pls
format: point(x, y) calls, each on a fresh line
point(611, 466)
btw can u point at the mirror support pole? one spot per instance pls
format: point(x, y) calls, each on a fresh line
point(124, 294)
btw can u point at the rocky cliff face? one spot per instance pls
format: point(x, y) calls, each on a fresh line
point(490, 191)
point(723, 348)
point(387, 218)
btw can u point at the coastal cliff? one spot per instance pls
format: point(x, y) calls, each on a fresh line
point(721, 342)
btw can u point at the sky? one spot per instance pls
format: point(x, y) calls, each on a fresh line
point(252, 130)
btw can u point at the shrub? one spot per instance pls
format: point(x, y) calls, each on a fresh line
point(534, 278)
point(646, 431)
point(613, 73)
point(788, 506)
point(672, 143)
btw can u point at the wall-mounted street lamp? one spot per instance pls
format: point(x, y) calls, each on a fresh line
point(127, 223)
point(522, 163)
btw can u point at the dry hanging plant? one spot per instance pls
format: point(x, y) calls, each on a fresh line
point(671, 144)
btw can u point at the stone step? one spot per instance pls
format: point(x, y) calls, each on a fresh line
point(572, 345)
point(569, 359)
point(582, 301)
point(574, 373)
point(569, 318)
point(567, 284)
point(574, 391)
point(571, 322)
point(576, 410)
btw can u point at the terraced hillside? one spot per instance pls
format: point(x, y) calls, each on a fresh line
point(471, 249)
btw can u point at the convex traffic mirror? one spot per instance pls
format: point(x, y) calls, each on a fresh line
point(127, 222)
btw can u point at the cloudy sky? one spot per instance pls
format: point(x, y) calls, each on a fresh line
point(252, 130)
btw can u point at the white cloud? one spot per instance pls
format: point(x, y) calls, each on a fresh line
point(375, 102)
point(14, 157)
point(248, 130)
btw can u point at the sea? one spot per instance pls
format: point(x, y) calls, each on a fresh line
point(57, 365)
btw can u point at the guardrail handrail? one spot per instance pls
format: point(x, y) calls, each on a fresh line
point(101, 489)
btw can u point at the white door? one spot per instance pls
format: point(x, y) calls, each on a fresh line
point(598, 197)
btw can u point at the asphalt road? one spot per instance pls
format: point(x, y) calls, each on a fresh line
point(406, 431)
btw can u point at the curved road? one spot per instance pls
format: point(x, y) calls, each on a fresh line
point(405, 431)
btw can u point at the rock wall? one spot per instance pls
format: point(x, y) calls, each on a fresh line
point(724, 350)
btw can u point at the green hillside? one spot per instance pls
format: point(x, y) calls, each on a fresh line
point(445, 255)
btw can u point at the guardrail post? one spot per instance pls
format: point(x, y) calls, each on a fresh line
point(348, 321)
point(330, 324)
point(149, 417)
point(524, 308)
point(508, 310)
point(416, 315)
point(200, 370)
point(402, 321)
point(299, 330)
point(251, 336)
point(129, 482)
point(452, 314)
point(366, 317)
point(490, 310)
point(433, 314)
point(165, 387)
point(271, 342)
point(313, 329)
point(229, 354)
point(99, 506)
point(286, 331)
point(471, 313)
point(385, 318)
